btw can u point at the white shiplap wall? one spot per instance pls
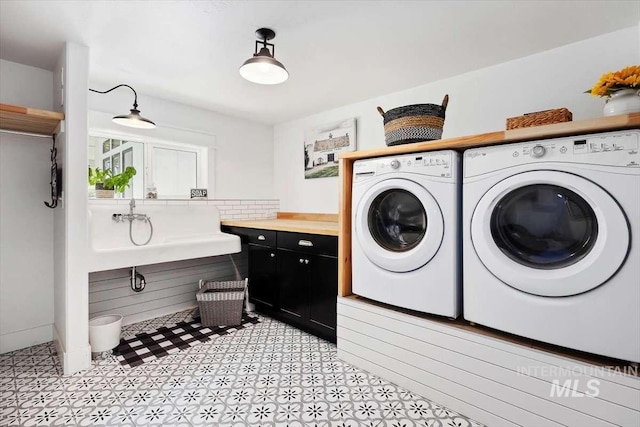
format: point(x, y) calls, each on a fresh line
point(493, 381)
point(171, 287)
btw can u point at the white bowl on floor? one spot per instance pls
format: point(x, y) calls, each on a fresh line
point(104, 332)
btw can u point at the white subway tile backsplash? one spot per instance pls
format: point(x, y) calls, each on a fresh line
point(229, 209)
point(103, 202)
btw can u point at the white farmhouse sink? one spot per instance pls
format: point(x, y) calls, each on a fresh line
point(179, 232)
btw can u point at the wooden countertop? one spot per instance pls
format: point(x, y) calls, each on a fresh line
point(323, 224)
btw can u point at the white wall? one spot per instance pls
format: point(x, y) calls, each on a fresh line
point(71, 277)
point(26, 224)
point(480, 101)
point(241, 151)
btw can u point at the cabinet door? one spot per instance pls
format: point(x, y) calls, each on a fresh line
point(323, 291)
point(262, 275)
point(293, 289)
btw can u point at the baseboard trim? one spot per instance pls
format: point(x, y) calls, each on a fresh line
point(72, 361)
point(25, 338)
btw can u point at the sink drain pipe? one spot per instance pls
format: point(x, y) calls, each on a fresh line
point(138, 282)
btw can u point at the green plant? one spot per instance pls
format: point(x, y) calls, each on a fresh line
point(118, 182)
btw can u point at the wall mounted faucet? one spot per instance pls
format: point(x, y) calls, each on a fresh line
point(131, 216)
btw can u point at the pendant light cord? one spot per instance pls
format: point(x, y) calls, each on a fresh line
point(135, 101)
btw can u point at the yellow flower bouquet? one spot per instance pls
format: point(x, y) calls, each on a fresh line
point(610, 83)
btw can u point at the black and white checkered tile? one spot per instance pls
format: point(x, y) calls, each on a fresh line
point(165, 340)
point(270, 374)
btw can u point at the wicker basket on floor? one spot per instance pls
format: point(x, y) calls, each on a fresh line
point(221, 303)
point(540, 118)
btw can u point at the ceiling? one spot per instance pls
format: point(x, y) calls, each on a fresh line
point(337, 52)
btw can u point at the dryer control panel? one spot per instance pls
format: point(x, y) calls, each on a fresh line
point(618, 149)
point(443, 164)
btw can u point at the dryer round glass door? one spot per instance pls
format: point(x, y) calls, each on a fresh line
point(550, 233)
point(399, 225)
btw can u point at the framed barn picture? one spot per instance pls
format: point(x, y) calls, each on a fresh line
point(323, 145)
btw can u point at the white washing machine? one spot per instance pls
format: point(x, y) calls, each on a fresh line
point(552, 241)
point(405, 223)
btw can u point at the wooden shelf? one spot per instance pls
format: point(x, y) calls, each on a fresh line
point(22, 119)
point(602, 124)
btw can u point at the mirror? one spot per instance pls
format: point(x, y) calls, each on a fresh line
point(172, 166)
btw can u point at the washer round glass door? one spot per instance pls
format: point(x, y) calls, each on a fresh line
point(550, 233)
point(399, 225)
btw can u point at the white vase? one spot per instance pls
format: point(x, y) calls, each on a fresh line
point(623, 102)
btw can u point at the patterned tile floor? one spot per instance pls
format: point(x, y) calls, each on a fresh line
point(270, 374)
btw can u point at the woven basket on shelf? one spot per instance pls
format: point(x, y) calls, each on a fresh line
point(414, 123)
point(221, 303)
point(539, 118)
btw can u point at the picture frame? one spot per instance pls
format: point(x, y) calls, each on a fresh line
point(323, 145)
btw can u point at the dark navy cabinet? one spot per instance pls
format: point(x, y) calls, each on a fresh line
point(262, 271)
point(293, 277)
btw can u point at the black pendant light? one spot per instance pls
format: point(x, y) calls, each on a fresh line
point(263, 68)
point(133, 119)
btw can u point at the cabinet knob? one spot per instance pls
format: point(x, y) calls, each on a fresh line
point(306, 261)
point(307, 243)
point(261, 237)
point(301, 260)
point(272, 254)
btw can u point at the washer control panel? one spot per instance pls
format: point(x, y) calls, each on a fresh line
point(538, 151)
point(619, 149)
point(442, 164)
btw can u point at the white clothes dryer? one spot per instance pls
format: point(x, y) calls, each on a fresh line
point(552, 241)
point(405, 223)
